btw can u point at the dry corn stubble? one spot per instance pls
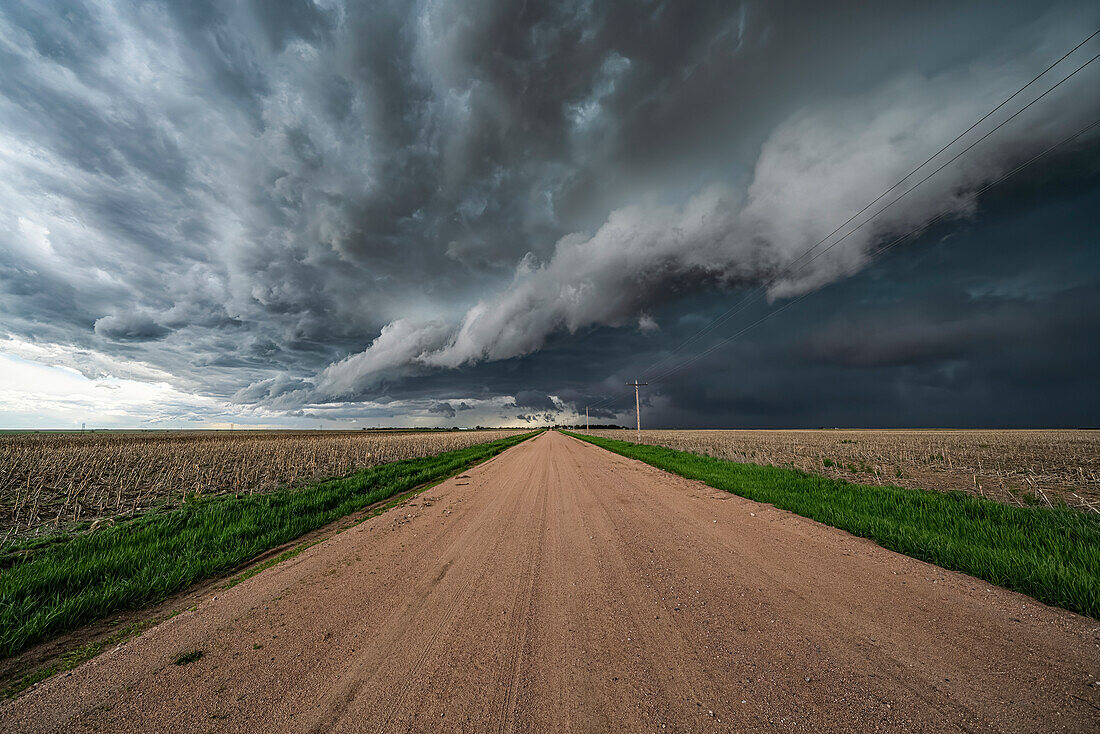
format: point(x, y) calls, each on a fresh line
point(50, 479)
point(1018, 467)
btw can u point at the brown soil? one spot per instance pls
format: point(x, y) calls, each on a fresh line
point(563, 588)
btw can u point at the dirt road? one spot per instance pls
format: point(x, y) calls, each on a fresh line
point(563, 588)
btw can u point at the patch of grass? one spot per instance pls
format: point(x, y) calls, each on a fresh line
point(75, 657)
point(186, 658)
point(1052, 554)
point(62, 585)
point(27, 681)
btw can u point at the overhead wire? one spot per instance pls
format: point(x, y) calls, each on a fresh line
point(761, 290)
point(879, 251)
point(752, 297)
point(738, 307)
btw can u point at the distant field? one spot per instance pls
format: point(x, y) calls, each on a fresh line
point(1032, 467)
point(51, 480)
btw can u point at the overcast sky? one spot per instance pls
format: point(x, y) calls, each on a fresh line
point(337, 213)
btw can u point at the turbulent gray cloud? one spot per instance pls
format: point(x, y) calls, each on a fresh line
point(129, 327)
point(314, 205)
point(814, 165)
point(444, 409)
point(534, 400)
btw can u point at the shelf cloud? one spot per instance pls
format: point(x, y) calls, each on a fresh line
point(322, 207)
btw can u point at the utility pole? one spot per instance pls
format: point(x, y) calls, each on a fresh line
point(637, 404)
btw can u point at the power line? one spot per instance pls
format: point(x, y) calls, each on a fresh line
point(952, 160)
point(737, 308)
point(759, 291)
point(893, 243)
point(890, 245)
point(753, 296)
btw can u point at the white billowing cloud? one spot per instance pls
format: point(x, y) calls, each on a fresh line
point(818, 169)
point(400, 345)
point(602, 279)
point(813, 172)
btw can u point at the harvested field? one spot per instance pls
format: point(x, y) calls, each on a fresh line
point(1033, 467)
point(48, 480)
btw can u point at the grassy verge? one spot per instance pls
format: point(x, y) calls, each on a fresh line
point(1052, 554)
point(64, 585)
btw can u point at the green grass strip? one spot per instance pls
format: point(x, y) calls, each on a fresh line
point(1052, 554)
point(64, 585)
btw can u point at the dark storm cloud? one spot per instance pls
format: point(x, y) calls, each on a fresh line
point(129, 327)
point(969, 329)
point(298, 204)
point(449, 410)
point(578, 400)
point(536, 417)
point(443, 409)
point(534, 400)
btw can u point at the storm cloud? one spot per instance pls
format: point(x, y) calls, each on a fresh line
point(326, 207)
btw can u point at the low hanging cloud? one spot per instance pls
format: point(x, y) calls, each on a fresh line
point(534, 400)
point(130, 327)
point(394, 353)
point(444, 409)
point(812, 172)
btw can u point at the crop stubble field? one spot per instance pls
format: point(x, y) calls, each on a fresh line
point(1018, 467)
point(48, 480)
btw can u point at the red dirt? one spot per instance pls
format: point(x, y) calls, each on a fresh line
point(559, 587)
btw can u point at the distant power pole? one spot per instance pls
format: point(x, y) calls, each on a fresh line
point(637, 404)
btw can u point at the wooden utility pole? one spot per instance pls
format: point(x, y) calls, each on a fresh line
point(637, 405)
